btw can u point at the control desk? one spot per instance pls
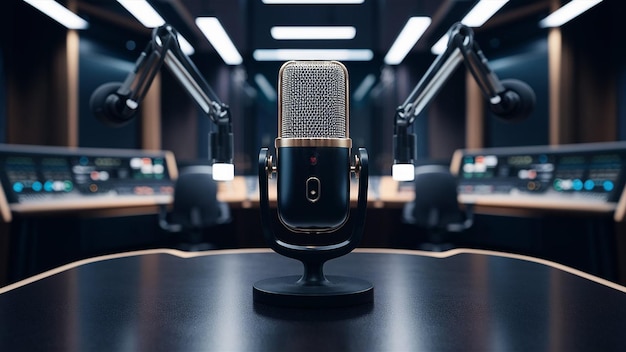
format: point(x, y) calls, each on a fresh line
point(588, 178)
point(577, 177)
point(40, 179)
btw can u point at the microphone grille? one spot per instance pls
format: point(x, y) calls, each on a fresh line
point(313, 99)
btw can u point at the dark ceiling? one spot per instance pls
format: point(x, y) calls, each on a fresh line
point(377, 22)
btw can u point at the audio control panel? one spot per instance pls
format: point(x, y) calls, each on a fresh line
point(54, 177)
point(576, 175)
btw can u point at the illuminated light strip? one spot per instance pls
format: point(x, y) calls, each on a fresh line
point(143, 12)
point(312, 2)
point(219, 39)
point(313, 32)
point(568, 12)
point(59, 13)
point(410, 34)
point(185, 46)
point(313, 54)
point(476, 17)
point(483, 11)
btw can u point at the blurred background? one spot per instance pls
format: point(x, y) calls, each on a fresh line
point(49, 71)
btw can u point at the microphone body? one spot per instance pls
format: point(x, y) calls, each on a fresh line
point(313, 149)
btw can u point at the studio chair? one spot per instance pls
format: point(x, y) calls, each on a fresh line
point(435, 208)
point(195, 208)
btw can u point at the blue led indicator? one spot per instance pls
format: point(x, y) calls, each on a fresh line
point(589, 185)
point(47, 186)
point(83, 160)
point(577, 185)
point(608, 185)
point(18, 187)
point(37, 186)
point(543, 158)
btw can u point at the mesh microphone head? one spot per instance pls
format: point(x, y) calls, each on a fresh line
point(313, 100)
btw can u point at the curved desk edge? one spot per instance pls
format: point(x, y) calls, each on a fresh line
point(440, 255)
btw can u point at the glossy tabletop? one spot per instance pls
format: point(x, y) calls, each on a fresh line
point(460, 300)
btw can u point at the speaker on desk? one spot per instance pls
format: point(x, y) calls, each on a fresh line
point(195, 208)
point(436, 208)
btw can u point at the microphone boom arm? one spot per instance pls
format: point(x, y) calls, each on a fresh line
point(461, 48)
point(164, 49)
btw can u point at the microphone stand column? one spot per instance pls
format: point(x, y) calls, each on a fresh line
point(314, 289)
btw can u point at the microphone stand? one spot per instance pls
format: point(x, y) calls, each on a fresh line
point(117, 102)
point(461, 48)
point(313, 289)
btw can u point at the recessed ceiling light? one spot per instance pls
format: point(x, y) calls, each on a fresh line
point(410, 34)
point(311, 2)
point(217, 36)
point(143, 12)
point(476, 17)
point(59, 13)
point(568, 12)
point(483, 11)
point(185, 46)
point(313, 32)
point(313, 54)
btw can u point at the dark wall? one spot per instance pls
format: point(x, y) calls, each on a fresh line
point(529, 63)
point(99, 65)
point(3, 99)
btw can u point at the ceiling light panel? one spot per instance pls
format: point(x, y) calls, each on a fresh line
point(312, 2)
point(410, 34)
point(143, 12)
point(219, 39)
point(568, 12)
point(482, 11)
point(59, 13)
point(313, 32)
point(313, 54)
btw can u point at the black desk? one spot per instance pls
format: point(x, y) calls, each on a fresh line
point(462, 300)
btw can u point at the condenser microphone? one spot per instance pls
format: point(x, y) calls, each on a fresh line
point(313, 148)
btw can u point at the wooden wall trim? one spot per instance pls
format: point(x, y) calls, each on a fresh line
point(73, 57)
point(554, 72)
point(151, 116)
point(475, 124)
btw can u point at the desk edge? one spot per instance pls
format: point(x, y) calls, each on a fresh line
point(439, 255)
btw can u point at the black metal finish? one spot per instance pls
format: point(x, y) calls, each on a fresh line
point(116, 103)
point(466, 302)
point(313, 187)
point(313, 288)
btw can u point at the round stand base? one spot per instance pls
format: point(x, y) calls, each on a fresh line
point(338, 291)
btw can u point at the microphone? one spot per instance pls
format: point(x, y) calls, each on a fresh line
point(313, 147)
point(516, 102)
point(313, 188)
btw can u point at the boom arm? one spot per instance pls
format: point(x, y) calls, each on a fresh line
point(510, 99)
point(117, 103)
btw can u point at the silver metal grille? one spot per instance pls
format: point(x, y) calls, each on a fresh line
point(313, 100)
